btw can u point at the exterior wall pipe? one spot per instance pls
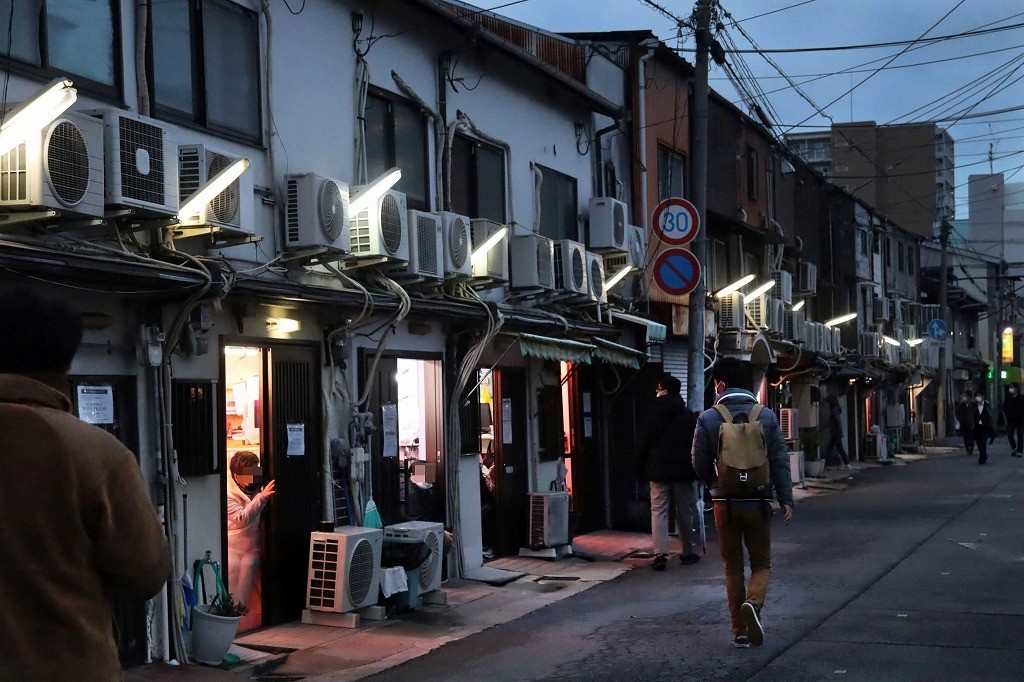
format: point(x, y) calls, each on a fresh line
point(650, 45)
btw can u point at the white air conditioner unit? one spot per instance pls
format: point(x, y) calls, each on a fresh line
point(807, 278)
point(910, 331)
point(608, 228)
point(381, 231)
point(430, 533)
point(549, 519)
point(896, 306)
point(571, 267)
point(595, 278)
point(458, 245)
point(783, 289)
point(495, 266)
point(635, 257)
point(58, 168)
point(826, 341)
point(928, 432)
point(141, 156)
point(316, 213)
point(426, 245)
point(776, 316)
point(881, 310)
point(757, 312)
point(730, 312)
point(795, 326)
point(344, 569)
point(809, 337)
point(789, 423)
point(837, 340)
point(232, 208)
point(532, 260)
point(872, 344)
point(875, 446)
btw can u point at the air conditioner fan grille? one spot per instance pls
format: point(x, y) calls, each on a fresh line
point(67, 163)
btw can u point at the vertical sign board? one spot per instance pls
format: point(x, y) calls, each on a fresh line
point(672, 271)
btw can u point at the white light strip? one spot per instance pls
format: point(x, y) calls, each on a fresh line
point(914, 342)
point(33, 115)
point(479, 256)
point(757, 292)
point(889, 340)
point(738, 284)
point(839, 320)
point(284, 325)
point(799, 305)
point(214, 186)
point(618, 277)
point(373, 191)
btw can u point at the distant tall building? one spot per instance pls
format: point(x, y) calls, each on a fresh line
point(904, 171)
point(997, 218)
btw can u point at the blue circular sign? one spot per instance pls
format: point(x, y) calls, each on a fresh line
point(676, 272)
point(937, 329)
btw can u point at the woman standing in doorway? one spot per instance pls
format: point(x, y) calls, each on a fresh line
point(245, 503)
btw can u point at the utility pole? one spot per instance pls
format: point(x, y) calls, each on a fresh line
point(699, 194)
point(940, 427)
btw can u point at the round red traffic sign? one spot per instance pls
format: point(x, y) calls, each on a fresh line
point(676, 221)
point(676, 272)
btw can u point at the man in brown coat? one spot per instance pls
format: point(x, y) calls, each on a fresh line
point(76, 518)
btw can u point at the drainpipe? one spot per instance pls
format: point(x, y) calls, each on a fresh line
point(641, 74)
point(442, 111)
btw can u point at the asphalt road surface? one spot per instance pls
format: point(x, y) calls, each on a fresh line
point(914, 573)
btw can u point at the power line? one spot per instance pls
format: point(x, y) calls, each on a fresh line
point(774, 11)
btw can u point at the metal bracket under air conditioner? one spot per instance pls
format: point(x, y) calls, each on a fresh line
point(27, 217)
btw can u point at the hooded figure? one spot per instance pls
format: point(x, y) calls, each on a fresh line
point(245, 502)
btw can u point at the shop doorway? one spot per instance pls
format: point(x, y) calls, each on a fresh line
point(272, 433)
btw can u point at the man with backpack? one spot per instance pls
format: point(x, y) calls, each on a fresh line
point(739, 453)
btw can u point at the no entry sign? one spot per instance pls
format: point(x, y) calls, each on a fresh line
point(675, 221)
point(676, 271)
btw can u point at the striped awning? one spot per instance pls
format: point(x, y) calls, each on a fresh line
point(559, 350)
point(618, 354)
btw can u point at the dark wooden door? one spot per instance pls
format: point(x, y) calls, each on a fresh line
point(386, 471)
point(511, 485)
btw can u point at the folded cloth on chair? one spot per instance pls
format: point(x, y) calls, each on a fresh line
point(393, 580)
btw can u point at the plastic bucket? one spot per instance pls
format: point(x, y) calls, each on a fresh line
point(211, 635)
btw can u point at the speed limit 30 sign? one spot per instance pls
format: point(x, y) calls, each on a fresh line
point(676, 221)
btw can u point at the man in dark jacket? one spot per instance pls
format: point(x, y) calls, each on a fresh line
point(964, 421)
point(664, 448)
point(743, 521)
point(1013, 412)
point(982, 429)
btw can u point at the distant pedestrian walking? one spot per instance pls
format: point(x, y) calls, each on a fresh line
point(835, 433)
point(982, 431)
point(964, 421)
point(738, 451)
point(663, 452)
point(1013, 412)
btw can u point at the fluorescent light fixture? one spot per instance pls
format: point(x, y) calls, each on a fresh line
point(214, 186)
point(758, 291)
point(284, 325)
point(889, 340)
point(618, 277)
point(738, 284)
point(798, 305)
point(479, 256)
point(373, 191)
point(914, 342)
point(31, 116)
point(1008, 330)
point(842, 318)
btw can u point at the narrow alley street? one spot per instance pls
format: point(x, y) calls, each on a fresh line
point(912, 574)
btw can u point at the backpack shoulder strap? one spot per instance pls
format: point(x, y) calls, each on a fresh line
point(724, 411)
point(755, 412)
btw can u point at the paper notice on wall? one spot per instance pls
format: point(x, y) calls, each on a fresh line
point(588, 427)
point(296, 440)
point(506, 420)
point(586, 401)
point(96, 404)
point(389, 424)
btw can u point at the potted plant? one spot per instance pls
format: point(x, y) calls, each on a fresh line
point(810, 441)
point(214, 626)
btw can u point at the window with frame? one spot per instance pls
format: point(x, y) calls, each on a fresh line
point(671, 173)
point(719, 274)
point(396, 135)
point(79, 39)
point(865, 242)
point(478, 179)
point(899, 255)
point(753, 169)
point(559, 206)
point(204, 64)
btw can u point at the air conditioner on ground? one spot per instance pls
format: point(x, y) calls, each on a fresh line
point(730, 312)
point(807, 278)
point(795, 326)
point(382, 230)
point(426, 245)
point(495, 265)
point(532, 260)
point(430, 533)
point(141, 157)
point(872, 344)
point(928, 432)
point(595, 277)
point(776, 316)
point(876, 446)
point(344, 569)
point(881, 309)
point(549, 519)
point(757, 312)
point(58, 168)
point(608, 229)
point(783, 289)
point(789, 423)
point(232, 208)
point(458, 245)
point(316, 213)
point(571, 267)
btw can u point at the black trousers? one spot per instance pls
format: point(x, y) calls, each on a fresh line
point(980, 439)
point(1015, 434)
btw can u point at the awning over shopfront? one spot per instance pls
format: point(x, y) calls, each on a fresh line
point(559, 350)
point(618, 354)
point(969, 359)
point(656, 332)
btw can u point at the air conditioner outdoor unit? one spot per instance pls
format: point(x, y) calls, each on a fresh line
point(608, 228)
point(58, 168)
point(344, 569)
point(776, 316)
point(316, 213)
point(875, 446)
point(458, 245)
point(432, 534)
point(807, 279)
point(382, 230)
point(896, 306)
point(595, 277)
point(789, 422)
point(783, 289)
point(532, 260)
point(837, 340)
point(549, 519)
point(928, 432)
point(910, 331)
point(141, 158)
point(757, 312)
point(872, 344)
point(426, 246)
point(571, 267)
point(809, 337)
point(232, 208)
point(730, 312)
point(881, 309)
point(495, 265)
point(825, 344)
point(795, 325)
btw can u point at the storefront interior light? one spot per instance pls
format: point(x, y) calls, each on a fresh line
point(217, 184)
point(889, 340)
point(619, 276)
point(373, 191)
point(914, 342)
point(798, 305)
point(752, 296)
point(842, 318)
point(479, 257)
point(283, 325)
point(30, 117)
point(738, 284)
